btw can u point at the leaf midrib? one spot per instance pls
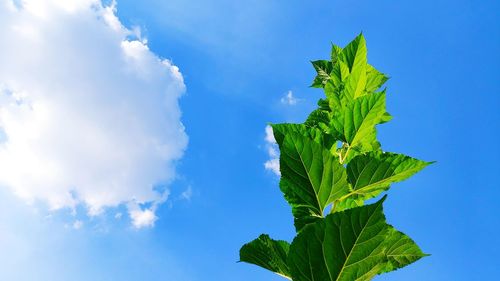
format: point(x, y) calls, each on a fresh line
point(365, 119)
point(367, 188)
point(355, 243)
point(309, 177)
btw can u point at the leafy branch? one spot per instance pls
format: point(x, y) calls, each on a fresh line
point(334, 160)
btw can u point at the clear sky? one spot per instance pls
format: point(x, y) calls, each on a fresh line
point(239, 60)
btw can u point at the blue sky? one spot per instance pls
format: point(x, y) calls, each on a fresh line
point(238, 60)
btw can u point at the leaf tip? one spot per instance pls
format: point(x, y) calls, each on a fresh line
point(380, 202)
point(383, 198)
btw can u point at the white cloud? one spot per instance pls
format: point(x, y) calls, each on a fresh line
point(273, 164)
point(143, 218)
point(289, 99)
point(87, 114)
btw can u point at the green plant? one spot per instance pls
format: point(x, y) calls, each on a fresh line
point(330, 165)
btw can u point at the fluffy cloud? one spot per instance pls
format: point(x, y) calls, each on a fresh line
point(273, 164)
point(88, 114)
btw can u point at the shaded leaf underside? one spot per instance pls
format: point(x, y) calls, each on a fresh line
point(267, 253)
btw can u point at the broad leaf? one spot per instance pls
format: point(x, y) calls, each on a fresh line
point(374, 79)
point(401, 251)
point(354, 56)
point(281, 130)
point(355, 124)
point(353, 245)
point(355, 53)
point(373, 173)
point(267, 253)
point(315, 134)
point(376, 170)
point(355, 83)
point(311, 177)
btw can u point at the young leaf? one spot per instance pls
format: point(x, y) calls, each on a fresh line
point(323, 68)
point(355, 124)
point(318, 118)
point(374, 79)
point(355, 83)
point(336, 100)
point(355, 53)
point(340, 73)
point(311, 177)
point(353, 245)
point(267, 253)
point(334, 54)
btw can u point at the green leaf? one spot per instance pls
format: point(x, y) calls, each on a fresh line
point(311, 177)
point(361, 116)
point(355, 53)
point(315, 134)
point(401, 251)
point(377, 170)
point(374, 79)
point(334, 96)
point(355, 124)
point(352, 201)
point(340, 70)
point(334, 54)
point(353, 245)
point(267, 253)
point(280, 131)
point(373, 173)
point(355, 83)
point(323, 104)
point(323, 68)
point(343, 246)
point(340, 73)
point(318, 118)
